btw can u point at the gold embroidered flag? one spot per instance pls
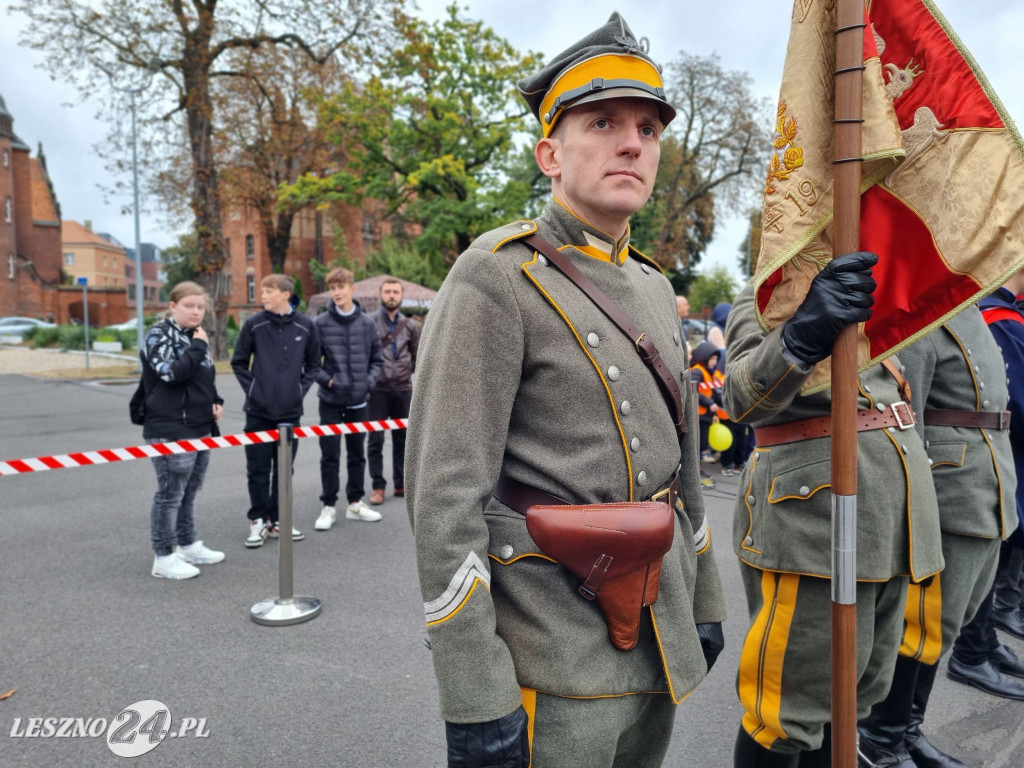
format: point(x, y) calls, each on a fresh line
point(942, 198)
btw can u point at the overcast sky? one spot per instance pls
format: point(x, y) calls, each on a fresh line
point(748, 35)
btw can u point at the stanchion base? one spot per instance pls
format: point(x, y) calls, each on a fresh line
point(280, 612)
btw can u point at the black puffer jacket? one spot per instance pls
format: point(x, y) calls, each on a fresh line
point(285, 355)
point(180, 384)
point(351, 356)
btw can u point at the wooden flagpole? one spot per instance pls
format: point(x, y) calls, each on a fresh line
point(846, 231)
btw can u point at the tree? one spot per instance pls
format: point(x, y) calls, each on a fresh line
point(180, 262)
point(268, 136)
point(712, 287)
point(430, 136)
point(750, 248)
point(186, 45)
point(711, 157)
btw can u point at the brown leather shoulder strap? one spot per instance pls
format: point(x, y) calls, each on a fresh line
point(390, 336)
point(645, 347)
point(901, 382)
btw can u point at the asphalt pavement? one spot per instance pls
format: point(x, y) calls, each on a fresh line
point(86, 632)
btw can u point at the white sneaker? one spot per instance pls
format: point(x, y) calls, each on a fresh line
point(173, 567)
point(274, 531)
point(359, 511)
point(197, 554)
point(257, 533)
point(326, 519)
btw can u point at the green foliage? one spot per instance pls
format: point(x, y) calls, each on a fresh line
point(232, 324)
point(427, 133)
point(128, 338)
point(42, 336)
point(180, 262)
point(71, 337)
point(711, 287)
point(401, 259)
point(104, 334)
point(232, 336)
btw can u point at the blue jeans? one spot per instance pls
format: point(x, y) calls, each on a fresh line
point(179, 476)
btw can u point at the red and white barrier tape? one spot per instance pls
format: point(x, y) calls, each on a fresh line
point(88, 458)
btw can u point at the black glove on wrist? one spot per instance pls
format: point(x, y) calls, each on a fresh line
point(501, 743)
point(712, 641)
point(839, 295)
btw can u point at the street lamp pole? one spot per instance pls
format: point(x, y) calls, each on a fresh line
point(138, 239)
point(139, 310)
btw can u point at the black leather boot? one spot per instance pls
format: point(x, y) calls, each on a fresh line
point(883, 732)
point(750, 754)
point(822, 756)
point(923, 753)
point(1006, 592)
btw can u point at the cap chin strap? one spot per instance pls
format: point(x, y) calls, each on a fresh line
point(566, 100)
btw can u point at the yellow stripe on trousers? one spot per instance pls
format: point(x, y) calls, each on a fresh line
point(530, 705)
point(922, 630)
point(764, 650)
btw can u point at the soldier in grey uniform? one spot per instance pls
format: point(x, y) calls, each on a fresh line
point(522, 379)
point(782, 521)
point(959, 394)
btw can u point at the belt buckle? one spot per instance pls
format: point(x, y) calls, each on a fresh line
point(664, 494)
point(903, 425)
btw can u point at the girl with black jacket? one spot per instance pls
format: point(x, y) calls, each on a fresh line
point(181, 403)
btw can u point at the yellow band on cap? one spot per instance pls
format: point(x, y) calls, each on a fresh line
point(608, 66)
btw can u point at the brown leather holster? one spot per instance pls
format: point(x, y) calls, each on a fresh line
point(615, 549)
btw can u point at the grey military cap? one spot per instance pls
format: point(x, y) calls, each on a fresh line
point(609, 63)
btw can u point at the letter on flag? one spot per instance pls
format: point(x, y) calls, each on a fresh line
point(942, 198)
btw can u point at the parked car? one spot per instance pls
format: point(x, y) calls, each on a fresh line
point(127, 325)
point(16, 326)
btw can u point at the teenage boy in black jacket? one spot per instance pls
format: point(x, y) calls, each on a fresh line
point(351, 364)
point(276, 360)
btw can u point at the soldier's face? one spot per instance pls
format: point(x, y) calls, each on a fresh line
point(603, 160)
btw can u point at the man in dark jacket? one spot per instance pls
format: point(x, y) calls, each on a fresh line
point(391, 395)
point(352, 362)
point(276, 359)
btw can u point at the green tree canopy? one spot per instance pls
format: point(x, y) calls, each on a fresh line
point(711, 287)
point(431, 135)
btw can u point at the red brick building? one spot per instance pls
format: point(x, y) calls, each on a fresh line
point(313, 233)
point(30, 241)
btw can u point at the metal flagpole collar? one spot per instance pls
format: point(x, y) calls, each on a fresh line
point(293, 610)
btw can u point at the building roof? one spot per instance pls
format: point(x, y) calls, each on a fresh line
point(73, 233)
point(367, 292)
point(44, 207)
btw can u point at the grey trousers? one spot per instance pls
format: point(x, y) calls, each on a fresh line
point(615, 732)
point(938, 608)
point(785, 673)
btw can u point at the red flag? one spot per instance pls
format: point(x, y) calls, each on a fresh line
point(943, 199)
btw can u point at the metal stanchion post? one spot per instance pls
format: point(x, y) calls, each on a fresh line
point(286, 609)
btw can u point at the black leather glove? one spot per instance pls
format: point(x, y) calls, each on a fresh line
point(839, 295)
point(712, 641)
point(501, 743)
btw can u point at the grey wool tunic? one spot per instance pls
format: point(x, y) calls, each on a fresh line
point(519, 372)
point(782, 519)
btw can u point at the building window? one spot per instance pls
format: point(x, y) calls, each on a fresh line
point(10, 259)
point(104, 259)
point(7, 158)
point(227, 249)
point(250, 247)
point(69, 259)
point(7, 210)
point(131, 292)
point(250, 287)
point(115, 262)
point(230, 286)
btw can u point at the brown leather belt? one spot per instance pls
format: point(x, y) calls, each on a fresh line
point(520, 496)
point(899, 415)
point(949, 417)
